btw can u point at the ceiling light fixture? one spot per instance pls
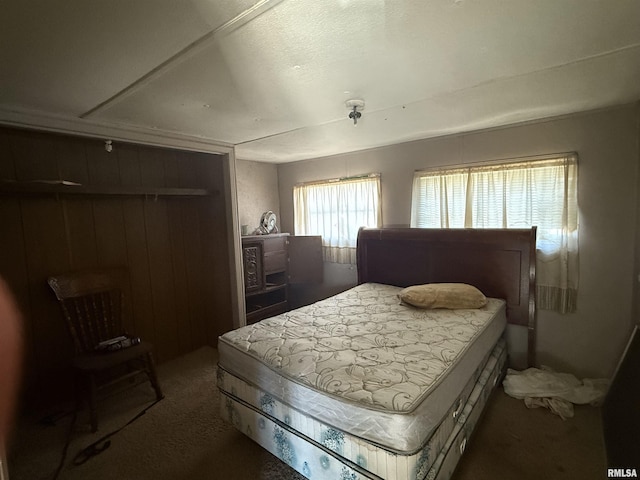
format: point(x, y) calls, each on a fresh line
point(356, 107)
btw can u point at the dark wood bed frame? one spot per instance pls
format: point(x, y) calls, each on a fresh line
point(499, 262)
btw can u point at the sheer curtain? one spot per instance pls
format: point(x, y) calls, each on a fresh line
point(336, 210)
point(540, 193)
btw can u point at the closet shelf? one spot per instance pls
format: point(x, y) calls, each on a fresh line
point(64, 187)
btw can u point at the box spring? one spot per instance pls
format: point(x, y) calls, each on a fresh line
point(320, 451)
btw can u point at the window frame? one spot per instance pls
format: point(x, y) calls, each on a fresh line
point(558, 224)
point(339, 245)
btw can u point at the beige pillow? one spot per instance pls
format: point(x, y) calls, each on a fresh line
point(443, 295)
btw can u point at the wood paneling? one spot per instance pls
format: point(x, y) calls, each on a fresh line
point(161, 271)
point(81, 233)
point(46, 253)
point(180, 274)
point(175, 248)
point(196, 273)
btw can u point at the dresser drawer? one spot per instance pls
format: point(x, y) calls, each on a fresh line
point(275, 309)
point(275, 261)
point(274, 244)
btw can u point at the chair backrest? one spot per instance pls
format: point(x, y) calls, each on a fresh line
point(93, 303)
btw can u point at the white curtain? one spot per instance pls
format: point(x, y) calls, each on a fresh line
point(336, 210)
point(540, 193)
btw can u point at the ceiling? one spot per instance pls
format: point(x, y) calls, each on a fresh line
point(271, 78)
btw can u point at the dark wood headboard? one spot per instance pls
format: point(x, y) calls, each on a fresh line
point(499, 262)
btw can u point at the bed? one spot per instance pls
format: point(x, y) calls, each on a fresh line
point(363, 386)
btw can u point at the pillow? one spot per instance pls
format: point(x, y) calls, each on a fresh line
point(443, 295)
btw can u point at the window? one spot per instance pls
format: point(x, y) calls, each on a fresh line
point(519, 194)
point(336, 209)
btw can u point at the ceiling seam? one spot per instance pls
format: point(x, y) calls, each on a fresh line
point(453, 92)
point(194, 47)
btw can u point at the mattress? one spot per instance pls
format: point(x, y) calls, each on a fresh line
point(322, 452)
point(366, 364)
point(375, 459)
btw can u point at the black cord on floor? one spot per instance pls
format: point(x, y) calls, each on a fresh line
point(96, 447)
point(66, 445)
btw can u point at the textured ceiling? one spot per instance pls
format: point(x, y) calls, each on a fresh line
point(272, 77)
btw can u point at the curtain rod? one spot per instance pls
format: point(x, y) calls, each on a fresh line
point(340, 179)
point(501, 161)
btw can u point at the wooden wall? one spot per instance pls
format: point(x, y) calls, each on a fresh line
point(175, 247)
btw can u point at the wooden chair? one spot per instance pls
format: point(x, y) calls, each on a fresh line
point(93, 306)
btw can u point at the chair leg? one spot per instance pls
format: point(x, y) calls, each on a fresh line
point(93, 400)
point(85, 388)
point(153, 377)
point(78, 391)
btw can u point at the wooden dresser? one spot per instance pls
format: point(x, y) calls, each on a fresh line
point(270, 263)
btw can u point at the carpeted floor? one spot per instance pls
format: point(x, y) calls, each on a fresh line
point(514, 442)
point(182, 437)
